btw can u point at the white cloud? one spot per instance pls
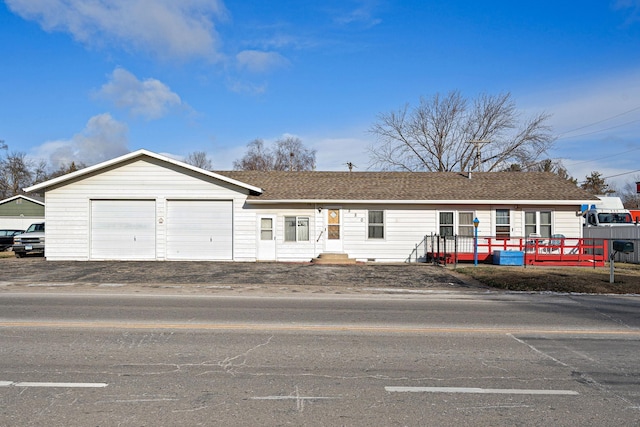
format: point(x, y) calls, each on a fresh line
point(149, 98)
point(165, 28)
point(597, 121)
point(361, 15)
point(334, 152)
point(103, 138)
point(257, 61)
point(238, 86)
point(602, 104)
point(629, 7)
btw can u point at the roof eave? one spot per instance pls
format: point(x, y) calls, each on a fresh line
point(417, 202)
point(133, 155)
point(18, 196)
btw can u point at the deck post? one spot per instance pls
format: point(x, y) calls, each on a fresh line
point(476, 222)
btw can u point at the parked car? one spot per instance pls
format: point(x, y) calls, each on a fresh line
point(6, 238)
point(30, 242)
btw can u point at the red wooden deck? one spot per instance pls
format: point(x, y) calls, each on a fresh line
point(537, 251)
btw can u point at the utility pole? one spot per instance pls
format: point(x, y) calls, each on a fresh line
point(477, 163)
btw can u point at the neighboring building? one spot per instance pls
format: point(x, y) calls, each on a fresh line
point(19, 212)
point(144, 206)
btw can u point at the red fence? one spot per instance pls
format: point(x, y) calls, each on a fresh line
point(537, 251)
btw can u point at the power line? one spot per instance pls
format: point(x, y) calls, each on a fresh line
point(605, 157)
point(598, 131)
point(598, 122)
point(621, 174)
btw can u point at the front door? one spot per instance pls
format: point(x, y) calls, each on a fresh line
point(333, 241)
point(267, 238)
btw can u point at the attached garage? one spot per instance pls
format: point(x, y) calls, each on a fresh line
point(145, 206)
point(123, 229)
point(200, 230)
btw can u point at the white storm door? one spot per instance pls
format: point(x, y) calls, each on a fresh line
point(200, 230)
point(267, 238)
point(333, 233)
point(123, 229)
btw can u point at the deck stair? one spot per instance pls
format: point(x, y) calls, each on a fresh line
point(333, 258)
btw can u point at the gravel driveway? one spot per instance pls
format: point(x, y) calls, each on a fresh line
point(297, 277)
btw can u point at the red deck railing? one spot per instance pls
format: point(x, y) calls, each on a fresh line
point(537, 251)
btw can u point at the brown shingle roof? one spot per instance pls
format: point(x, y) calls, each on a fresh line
point(397, 186)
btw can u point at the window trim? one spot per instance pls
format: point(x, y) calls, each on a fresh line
point(452, 225)
point(503, 235)
point(455, 225)
point(473, 215)
point(538, 222)
point(375, 224)
point(297, 228)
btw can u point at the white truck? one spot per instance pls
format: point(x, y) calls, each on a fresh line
point(608, 212)
point(30, 242)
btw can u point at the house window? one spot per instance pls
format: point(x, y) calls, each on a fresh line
point(545, 224)
point(530, 224)
point(465, 224)
point(266, 228)
point(503, 224)
point(446, 224)
point(537, 223)
point(376, 224)
point(296, 229)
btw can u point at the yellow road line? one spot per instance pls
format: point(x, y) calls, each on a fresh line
point(315, 328)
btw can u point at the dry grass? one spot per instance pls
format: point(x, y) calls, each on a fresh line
point(558, 279)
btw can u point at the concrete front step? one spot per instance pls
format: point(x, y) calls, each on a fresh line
point(333, 258)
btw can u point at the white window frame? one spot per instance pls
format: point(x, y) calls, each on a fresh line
point(381, 225)
point(455, 225)
point(299, 226)
point(502, 235)
point(469, 226)
point(539, 225)
point(451, 225)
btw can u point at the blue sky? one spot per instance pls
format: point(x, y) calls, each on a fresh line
point(92, 79)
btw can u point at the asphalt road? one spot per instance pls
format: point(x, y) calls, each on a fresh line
point(472, 358)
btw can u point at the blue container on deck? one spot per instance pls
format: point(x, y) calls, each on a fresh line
point(508, 257)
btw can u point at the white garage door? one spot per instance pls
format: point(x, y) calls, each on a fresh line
point(200, 229)
point(123, 229)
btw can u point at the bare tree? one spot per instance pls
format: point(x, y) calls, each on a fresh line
point(65, 169)
point(287, 154)
point(291, 154)
point(15, 174)
point(257, 158)
point(546, 165)
point(444, 133)
point(629, 194)
point(199, 159)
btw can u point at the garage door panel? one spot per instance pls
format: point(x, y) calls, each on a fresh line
point(123, 229)
point(200, 229)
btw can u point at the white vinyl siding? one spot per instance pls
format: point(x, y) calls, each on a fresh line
point(123, 230)
point(199, 230)
point(404, 227)
point(68, 208)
